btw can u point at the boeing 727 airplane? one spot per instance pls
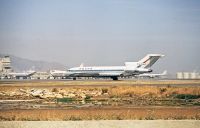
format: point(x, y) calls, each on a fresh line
point(130, 69)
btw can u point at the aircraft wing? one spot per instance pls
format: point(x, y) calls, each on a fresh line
point(83, 74)
point(105, 74)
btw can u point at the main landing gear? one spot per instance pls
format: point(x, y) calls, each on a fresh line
point(114, 78)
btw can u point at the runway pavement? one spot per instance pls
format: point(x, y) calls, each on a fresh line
point(103, 124)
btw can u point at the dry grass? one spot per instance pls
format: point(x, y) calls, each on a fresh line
point(153, 90)
point(143, 113)
point(101, 82)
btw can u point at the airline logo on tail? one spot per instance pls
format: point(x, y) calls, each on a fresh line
point(149, 60)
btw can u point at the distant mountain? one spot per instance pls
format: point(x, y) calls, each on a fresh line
point(22, 64)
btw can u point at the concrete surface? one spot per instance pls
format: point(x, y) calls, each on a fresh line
point(103, 124)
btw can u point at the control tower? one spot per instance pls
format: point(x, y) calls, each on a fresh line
point(5, 66)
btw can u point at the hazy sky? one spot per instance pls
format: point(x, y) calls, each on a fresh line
point(103, 32)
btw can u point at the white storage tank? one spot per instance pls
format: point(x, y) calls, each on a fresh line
point(186, 75)
point(179, 75)
point(198, 76)
point(193, 75)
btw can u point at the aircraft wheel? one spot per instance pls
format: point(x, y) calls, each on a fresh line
point(115, 78)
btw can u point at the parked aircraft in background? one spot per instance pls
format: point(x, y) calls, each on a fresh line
point(150, 75)
point(130, 69)
point(58, 73)
point(21, 75)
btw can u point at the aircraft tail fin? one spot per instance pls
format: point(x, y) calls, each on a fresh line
point(164, 72)
point(82, 65)
point(149, 60)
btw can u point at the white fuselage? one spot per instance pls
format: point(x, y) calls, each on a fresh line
point(97, 71)
point(105, 71)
